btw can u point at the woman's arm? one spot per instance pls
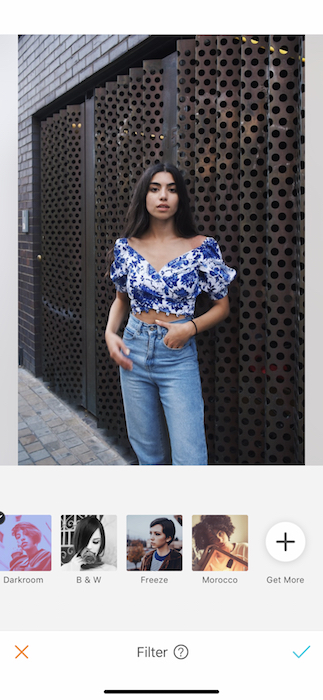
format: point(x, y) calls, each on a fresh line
point(115, 344)
point(179, 333)
point(219, 312)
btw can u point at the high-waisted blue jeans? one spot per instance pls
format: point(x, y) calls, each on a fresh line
point(162, 398)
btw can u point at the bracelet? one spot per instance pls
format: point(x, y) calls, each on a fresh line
point(194, 325)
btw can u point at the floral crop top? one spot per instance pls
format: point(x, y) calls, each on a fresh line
point(175, 287)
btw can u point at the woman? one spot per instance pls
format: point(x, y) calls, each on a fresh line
point(161, 557)
point(88, 545)
point(160, 266)
point(212, 536)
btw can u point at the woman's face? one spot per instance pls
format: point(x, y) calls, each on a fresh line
point(162, 197)
point(93, 544)
point(157, 537)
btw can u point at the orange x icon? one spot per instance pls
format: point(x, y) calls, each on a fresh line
point(21, 651)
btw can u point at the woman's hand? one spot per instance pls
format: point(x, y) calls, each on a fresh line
point(118, 350)
point(178, 333)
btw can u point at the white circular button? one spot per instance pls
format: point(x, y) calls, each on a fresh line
point(285, 541)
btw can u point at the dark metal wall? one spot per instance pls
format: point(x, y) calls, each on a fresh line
point(63, 254)
point(229, 112)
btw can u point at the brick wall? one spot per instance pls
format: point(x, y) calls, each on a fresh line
point(50, 66)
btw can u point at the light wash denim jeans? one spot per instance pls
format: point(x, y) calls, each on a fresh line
point(162, 398)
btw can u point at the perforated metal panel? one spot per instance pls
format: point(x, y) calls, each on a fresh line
point(217, 174)
point(238, 139)
point(153, 112)
point(107, 222)
point(283, 248)
point(62, 254)
point(186, 142)
point(136, 134)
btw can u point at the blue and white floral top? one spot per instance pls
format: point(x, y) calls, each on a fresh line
point(175, 287)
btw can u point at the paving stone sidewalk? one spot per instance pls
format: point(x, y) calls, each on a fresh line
point(50, 432)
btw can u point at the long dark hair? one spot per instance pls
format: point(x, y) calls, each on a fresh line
point(84, 531)
point(137, 220)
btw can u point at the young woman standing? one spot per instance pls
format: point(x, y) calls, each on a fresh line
point(160, 266)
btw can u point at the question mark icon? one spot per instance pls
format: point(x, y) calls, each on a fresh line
point(181, 651)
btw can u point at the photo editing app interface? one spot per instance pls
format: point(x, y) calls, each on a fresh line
point(160, 533)
point(195, 581)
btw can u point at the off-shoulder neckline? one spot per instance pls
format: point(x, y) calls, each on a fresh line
point(178, 257)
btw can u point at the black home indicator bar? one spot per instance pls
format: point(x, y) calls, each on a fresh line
point(161, 692)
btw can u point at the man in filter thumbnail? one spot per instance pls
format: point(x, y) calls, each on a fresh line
point(29, 557)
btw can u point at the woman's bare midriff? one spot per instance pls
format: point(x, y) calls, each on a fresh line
point(151, 315)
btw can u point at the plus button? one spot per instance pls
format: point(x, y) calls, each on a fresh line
point(285, 541)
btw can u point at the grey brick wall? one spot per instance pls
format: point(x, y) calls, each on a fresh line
point(49, 67)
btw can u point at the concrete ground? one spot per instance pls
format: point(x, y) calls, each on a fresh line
point(51, 432)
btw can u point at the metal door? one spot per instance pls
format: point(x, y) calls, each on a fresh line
point(68, 303)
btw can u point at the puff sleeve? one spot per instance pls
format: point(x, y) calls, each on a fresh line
point(118, 269)
point(214, 275)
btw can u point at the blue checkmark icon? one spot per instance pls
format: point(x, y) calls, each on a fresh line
point(299, 655)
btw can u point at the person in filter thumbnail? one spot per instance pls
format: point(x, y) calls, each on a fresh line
point(29, 557)
point(162, 556)
point(217, 530)
point(88, 545)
